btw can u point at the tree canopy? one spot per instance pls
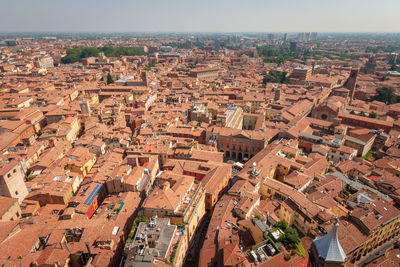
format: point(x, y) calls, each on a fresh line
point(282, 224)
point(290, 237)
point(277, 54)
point(388, 48)
point(282, 53)
point(109, 79)
point(393, 67)
point(387, 94)
point(274, 77)
point(76, 54)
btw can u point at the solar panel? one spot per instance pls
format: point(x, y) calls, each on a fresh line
point(93, 195)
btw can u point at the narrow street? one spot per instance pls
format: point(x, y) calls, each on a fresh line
point(378, 252)
point(192, 257)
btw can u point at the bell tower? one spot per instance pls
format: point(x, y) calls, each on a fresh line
point(326, 250)
point(352, 82)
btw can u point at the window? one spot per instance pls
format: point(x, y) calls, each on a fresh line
point(14, 171)
point(16, 193)
point(9, 175)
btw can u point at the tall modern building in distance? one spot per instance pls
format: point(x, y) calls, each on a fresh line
point(314, 36)
point(285, 37)
point(293, 46)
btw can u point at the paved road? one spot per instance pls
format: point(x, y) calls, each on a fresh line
point(378, 252)
point(192, 257)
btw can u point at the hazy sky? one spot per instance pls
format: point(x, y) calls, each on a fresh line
point(200, 15)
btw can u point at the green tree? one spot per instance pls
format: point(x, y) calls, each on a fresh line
point(290, 237)
point(348, 190)
point(393, 67)
point(109, 79)
point(372, 115)
point(362, 113)
point(149, 66)
point(136, 223)
point(387, 94)
point(265, 235)
point(282, 224)
point(274, 77)
point(265, 80)
point(352, 112)
point(76, 54)
point(30, 176)
point(368, 156)
point(180, 225)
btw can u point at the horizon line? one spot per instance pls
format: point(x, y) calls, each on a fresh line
point(384, 32)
